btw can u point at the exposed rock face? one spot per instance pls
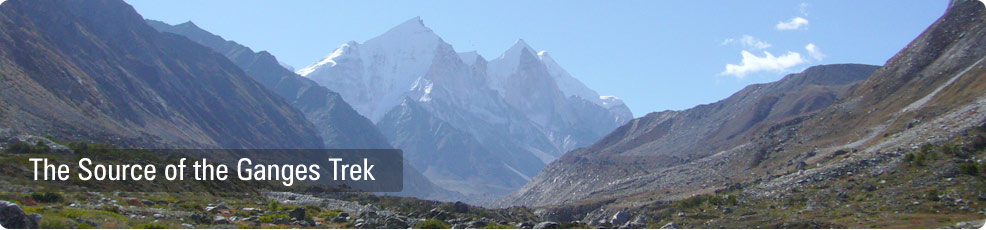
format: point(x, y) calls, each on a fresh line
point(94, 71)
point(12, 217)
point(665, 139)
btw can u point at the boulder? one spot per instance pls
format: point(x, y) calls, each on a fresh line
point(212, 209)
point(297, 214)
point(340, 219)
point(396, 223)
point(637, 222)
point(220, 220)
point(282, 221)
point(546, 225)
point(460, 207)
point(200, 218)
point(90, 223)
point(438, 214)
point(368, 214)
point(524, 225)
point(619, 218)
point(12, 216)
point(670, 225)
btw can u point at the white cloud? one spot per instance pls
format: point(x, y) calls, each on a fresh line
point(814, 52)
point(752, 63)
point(793, 24)
point(803, 8)
point(748, 42)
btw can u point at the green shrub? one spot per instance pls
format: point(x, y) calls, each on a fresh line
point(269, 218)
point(152, 225)
point(922, 157)
point(432, 224)
point(927, 148)
point(247, 226)
point(498, 226)
point(330, 214)
point(111, 208)
point(18, 147)
point(696, 201)
point(731, 200)
point(41, 147)
point(56, 222)
point(932, 195)
point(969, 168)
point(653, 225)
point(949, 149)
point(85, 226)
point(47, 197)
point(191, 206)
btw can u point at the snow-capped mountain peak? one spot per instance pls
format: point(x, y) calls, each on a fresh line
point(507, 63)
point(382, 68)
point(332, 59)
point(411, 27)
point(610, 101)
point(433, 101)
point(519, 46)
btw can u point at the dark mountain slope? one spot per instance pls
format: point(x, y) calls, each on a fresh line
point(93, 70)
point(339, 125)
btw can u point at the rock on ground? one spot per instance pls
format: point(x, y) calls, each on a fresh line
point(12, 216)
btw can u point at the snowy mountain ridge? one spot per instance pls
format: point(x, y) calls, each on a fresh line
point(504, 118)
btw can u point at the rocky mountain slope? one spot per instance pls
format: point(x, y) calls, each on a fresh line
point(470, 125)
point(910, 133)
point(339, 125)
point(662, 140)
point(94, 71)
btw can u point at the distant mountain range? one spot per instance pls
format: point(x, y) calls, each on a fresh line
point(479, 127)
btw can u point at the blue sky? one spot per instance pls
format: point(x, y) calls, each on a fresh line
point(655, 55)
